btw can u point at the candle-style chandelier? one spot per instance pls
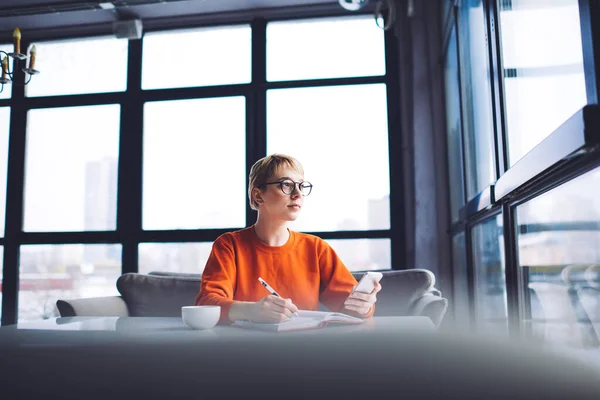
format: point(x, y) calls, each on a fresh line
point(8, 76)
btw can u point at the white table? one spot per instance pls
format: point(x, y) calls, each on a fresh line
point(164, 329)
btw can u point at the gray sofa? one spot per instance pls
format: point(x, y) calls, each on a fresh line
point(162, 294)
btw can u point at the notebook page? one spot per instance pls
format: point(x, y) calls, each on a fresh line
point(328, 316)
point(295, 323)
point(347, 319)
point(304, 320)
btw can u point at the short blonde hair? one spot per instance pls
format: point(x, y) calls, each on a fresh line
point(265, 169)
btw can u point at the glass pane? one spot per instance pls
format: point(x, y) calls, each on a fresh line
point(559, 257)
point(71, 171)
point(490, 285)
point(363, 254)
point(7, 90)
point(344, 153)
point(95, 65)
point(324, 48)
point(455, 169)
point(186, 142)
point(174, 257)
point(70, 271)
point(4, 131)
point(197, 57)
point(460, 281)
point(543, 69)
point(477, 98)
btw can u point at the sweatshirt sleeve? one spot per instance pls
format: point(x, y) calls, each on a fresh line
point(218, 279)
point(337, 281)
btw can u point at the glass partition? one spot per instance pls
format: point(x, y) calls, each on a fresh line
point(559, 264)
point(489, 269)
point(477, 98)
point(453, 126)
point(460, 301)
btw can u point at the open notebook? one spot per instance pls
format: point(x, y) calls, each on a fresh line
point(304, 320)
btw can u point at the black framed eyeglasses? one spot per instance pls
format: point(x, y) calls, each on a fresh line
point(288, 186)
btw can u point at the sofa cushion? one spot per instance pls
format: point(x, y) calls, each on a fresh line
point(110, 306)
point(157, 296)
point(399, 288)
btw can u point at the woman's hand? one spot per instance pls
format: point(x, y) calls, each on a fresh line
point(271, 309)
point(361, 303)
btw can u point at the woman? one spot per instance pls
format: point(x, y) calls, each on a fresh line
point(302, 268)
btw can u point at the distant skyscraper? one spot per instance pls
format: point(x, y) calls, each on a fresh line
point(379, 218)
point(101, 206)
point(347, 249)
point(379, 213)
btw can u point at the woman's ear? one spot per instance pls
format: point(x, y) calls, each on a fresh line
point(256, 195)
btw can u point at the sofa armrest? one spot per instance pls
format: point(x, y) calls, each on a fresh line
point(431, 305)
point(111, 306)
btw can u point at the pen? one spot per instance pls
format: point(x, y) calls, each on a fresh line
point(271, 290)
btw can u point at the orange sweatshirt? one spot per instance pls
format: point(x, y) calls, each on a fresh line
point(305, 269)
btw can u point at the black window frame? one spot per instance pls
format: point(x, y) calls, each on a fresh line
point(570, 151)
point(129, 232)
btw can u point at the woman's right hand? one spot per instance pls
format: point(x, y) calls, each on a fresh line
point(271, 309)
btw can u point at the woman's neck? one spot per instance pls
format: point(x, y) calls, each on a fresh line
point(273, 233)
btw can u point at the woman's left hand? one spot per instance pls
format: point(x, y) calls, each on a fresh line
point(361, 303)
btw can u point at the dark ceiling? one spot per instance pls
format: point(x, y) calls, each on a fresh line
point(39, 16)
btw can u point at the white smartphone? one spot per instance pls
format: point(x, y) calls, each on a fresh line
point(368, 281)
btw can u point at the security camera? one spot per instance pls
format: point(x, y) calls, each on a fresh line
point(353, 5)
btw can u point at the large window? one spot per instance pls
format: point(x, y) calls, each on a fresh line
point(543, 69)
point(71, 172)
point(559, 257)
point(194, 162)
point(338, 133)
point(140, 164)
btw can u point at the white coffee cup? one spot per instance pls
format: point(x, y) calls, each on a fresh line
point(201, 317)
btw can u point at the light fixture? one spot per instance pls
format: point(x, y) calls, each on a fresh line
point(353, 5)
point(18, 57)
point(380, 7)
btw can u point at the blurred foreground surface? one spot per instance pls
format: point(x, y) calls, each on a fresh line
point(412, 365)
